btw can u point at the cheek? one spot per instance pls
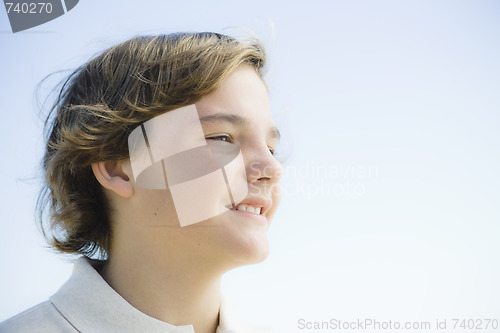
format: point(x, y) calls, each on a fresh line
point(157, 208)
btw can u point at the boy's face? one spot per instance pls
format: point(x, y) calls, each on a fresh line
point(229, 231)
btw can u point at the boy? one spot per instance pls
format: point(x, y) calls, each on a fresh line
point(160, 171)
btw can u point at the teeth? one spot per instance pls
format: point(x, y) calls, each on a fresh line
point(250, 209)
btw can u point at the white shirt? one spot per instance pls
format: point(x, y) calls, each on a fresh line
point(87, 304)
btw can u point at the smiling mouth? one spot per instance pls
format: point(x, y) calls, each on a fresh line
point(258, 206)
point(257, 210)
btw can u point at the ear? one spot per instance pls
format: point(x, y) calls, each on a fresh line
point(113, 175)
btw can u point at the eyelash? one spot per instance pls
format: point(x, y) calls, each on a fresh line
point(229, 139)
point(221, 136)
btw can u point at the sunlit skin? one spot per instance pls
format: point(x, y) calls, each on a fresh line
point(173, 273)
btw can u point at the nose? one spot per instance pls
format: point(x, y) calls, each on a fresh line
point(261, 166)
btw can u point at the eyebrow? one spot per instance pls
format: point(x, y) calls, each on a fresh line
point(236, 120)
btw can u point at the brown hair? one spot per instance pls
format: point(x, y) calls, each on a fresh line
point(101, 102)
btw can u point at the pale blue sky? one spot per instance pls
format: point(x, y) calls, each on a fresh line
point(389, 112)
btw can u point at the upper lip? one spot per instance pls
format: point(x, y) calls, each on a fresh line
point(257, 202)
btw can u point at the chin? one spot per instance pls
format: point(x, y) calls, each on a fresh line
point(243, 244)
point(230, 240)
point(254, 253)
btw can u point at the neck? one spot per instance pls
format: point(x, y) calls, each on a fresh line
point(171, 291)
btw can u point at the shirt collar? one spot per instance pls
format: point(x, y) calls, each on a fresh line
point(91, 305)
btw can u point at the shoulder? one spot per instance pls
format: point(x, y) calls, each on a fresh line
point(43, 317)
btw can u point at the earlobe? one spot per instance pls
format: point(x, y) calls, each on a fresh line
point(111, 175)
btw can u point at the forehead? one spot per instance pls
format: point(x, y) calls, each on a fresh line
point(242, 94)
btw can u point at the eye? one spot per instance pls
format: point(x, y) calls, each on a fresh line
point(272, 151)
point(221, 137)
